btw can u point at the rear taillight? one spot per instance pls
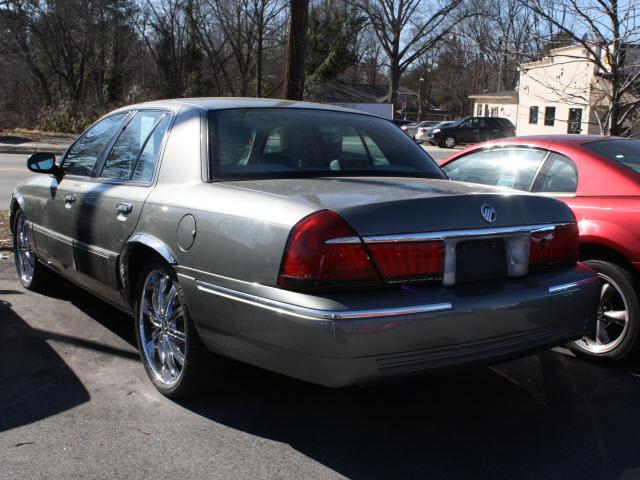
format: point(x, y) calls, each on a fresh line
point(317, 256)
point(422, 130)
point(400, 262)
point(550, 247)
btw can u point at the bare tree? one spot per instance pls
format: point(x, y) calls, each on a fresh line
point(406, 32)
point(609, 32)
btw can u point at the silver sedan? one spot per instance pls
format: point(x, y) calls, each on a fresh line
point(314, 241)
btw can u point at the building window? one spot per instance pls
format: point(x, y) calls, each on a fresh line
point(479, 110)
point(533, 115)
point(494, 111)
point(486, 109)
point(549, 116)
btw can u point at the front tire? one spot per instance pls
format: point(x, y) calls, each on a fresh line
point(618, 315)
point(448, 142)
point(32, 274)
point(170, 348)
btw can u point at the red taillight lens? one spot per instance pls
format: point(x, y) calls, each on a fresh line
point(554, 246)
point(422, 130)
point(409, 261)
point(311, 261)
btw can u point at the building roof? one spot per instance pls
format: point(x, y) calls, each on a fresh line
point(338, 91)
point(506, 94)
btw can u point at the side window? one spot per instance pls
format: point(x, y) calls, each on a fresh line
point(502, 167)
point(84, 153)
point(146, 164)
point(122, 158)
point(559, 175)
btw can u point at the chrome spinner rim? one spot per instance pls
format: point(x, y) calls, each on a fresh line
point(613, 319)
point(24, 253)
point(162, 328)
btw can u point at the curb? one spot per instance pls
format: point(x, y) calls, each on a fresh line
point(33, 148)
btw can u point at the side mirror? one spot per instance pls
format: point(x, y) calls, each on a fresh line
point(42, 163)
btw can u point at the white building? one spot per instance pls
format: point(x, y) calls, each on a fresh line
point(556, 94)
point(561, 93)
point(496, 104)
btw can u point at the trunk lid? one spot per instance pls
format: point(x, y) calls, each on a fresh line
point(382, 206)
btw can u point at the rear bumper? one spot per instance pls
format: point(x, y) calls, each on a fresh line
point(400, 332)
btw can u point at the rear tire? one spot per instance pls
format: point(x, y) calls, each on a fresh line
point(171, 350)
point(618, 315)
point(32, 274)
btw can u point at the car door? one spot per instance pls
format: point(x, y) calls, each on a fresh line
point(53, 220)
point(469, 131)
point(109, 207)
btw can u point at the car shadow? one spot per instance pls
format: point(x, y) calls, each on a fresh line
point(35, 382)
point(545, 416)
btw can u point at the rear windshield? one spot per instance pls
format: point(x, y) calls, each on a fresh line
point(281, 143)
point(624, 152)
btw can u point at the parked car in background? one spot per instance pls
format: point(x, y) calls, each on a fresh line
point(314, 241)
point(411, 128)
point(471, 130)
point(401, 123)
point(599, 178)
point(423, 133)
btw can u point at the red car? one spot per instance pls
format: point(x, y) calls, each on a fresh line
point(599, 178)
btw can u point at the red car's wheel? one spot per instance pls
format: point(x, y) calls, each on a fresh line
point(618, 314)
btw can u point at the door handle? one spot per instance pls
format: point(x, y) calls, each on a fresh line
point(70, 197)
point(124, 208)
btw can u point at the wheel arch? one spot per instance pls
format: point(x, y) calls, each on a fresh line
point(598, 251)
point(17, 203)
point(135, 252)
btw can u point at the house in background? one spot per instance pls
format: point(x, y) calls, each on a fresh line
point(556, 94)
point(563, 92)
point(495, 104)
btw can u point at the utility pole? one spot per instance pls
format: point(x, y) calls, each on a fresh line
point(296, 46)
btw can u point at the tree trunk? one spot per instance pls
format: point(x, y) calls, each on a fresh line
point(259, 47)
point(296, 45)
point(394, 84)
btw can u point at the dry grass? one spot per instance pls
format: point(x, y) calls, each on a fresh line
point(5, 234)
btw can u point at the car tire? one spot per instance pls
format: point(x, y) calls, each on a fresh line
point(171, 350)
point(448, 142)
point(33, 275)
point(618, 315)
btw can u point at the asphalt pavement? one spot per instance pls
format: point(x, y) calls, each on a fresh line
point(75, 403)
point(13, 169)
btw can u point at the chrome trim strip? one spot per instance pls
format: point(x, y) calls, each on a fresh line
point(472, 232)
point(101, 252)
point(50, 233)
point(314, 313)
point(344, 240)
point(566, 287)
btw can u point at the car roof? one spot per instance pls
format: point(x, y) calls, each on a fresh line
point(223, 103)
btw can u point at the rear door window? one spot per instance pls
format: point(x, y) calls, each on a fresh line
point(127, 149)
point(498, 167)
point(559, 175)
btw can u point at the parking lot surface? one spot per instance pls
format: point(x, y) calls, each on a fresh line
point(75, 403)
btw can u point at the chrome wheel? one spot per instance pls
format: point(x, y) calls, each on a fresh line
point(613, 319)
point(25, 259)
point(162, 328)
point(449, 142)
